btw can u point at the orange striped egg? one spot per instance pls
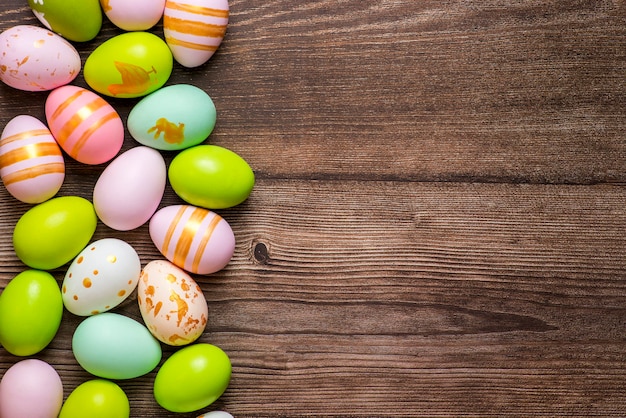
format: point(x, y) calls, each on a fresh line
point(192, 238)
point(194, 29)
point(84, 124)
point(31, 163)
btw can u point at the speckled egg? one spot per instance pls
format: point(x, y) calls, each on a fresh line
point(194, 29)
point(172, 304)
point(76, 20)
point(84, 124)
point(35, 59)
point(101, 277)
point(31, 163)
point(133, 15)
point(195, 239)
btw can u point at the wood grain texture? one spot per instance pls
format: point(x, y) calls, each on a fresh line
point(438, 226)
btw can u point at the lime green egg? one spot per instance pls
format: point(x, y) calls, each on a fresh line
point(52, 233)
point(31, 308)
point(96, 398)
point(75, 20)
point(211, 177)
point(132, 64)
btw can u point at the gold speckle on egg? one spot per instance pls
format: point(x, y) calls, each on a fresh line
point(87, 282)
point(64, 289)
point(39, 43)
point(150, 291)
point(80, 259)
point(130, 282)
point(95, 312)
point(75, 297)
point(107, 307)
point(111, 259)
point(95, 272)
point(157, 308)
point(93, 248)
point(174, 337)
point(121, 293)
point(183, 308)
point(184, 286)
point(171, 278)
point(70, 275)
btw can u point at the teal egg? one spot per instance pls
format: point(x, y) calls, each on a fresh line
point(173, 118)
point(114, 346)
point(75, 20)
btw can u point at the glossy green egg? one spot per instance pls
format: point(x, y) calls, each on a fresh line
point(192, 378)
point(52, 233)
point(211, 177)
point(173, 118)
point(31, 308)
point(75, 20)
point(97, 399)
point(132, 64)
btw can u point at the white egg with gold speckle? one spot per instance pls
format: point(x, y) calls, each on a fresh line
point(101, 277)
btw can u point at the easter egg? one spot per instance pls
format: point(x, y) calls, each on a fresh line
point(211, 177)
point(101, 277)
point(133, 15)
point(35, 59)
point(76, 20)
point(31, 388)
point(192, 378)
point(171, 303)
point(132, 64)
point(114, 346)
point(98, 398)
point(172, 118)
point(84, 124)
point(216, 414)
point(30, 312)
point(31, 163)
point(52, 233)
point(194, 239)
point(194, 29)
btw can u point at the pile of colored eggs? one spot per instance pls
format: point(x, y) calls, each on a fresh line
point(59, 230)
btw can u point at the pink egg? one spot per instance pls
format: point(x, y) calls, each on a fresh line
point(133, 15)
point(31, 163)
point(31, 388)
point(129, 190)
point(194, 239)
point(35, 59)
point(84, 124)
point(194, 29)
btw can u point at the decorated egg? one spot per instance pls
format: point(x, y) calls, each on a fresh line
point(31, 388)
point(194, 29)
point(35, 59)
point(216, 414)
point(84, 124)
point(52, 233)
point(173, 118)
point(101, 398)
point(195, 239)
point(101, 277)
point(114, 346)
point(211, 177)
point(133, 15)
point(31, 163)
point(30, 312)
point(132, 64)
point(172, 304)
point(130, 189)
point(192, 378)
point(76, 20)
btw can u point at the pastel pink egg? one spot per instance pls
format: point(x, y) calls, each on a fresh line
point(87, 127)
point(194, 29)
point(31, 163)
point(195, 239)
point(133, 15)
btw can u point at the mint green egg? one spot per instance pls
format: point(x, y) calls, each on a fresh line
point(31, 308)
point(52, 233)
point(211, 177)
point(132, 64)
point(173, 118)
point(75, 20)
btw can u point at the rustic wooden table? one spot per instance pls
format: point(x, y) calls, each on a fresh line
point(438, 225)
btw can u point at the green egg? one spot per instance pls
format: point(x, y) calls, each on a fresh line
point(75, 20)
point(132, 64)
point(31, 308)
point(211, 177)
point(52, 233)
point(192, 378)
point(97, 399)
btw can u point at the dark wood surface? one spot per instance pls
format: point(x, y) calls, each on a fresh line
point(438, 226)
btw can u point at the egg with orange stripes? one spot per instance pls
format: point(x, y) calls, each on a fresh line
point(194, 29)
point(84, 124)
point(194, 239)
point(31, 163)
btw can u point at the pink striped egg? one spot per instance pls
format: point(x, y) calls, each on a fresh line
point(194, 29)
point(31, 163)
point(84, 124)
point(192, 238)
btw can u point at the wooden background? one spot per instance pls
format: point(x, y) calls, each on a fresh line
point(438, 226)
